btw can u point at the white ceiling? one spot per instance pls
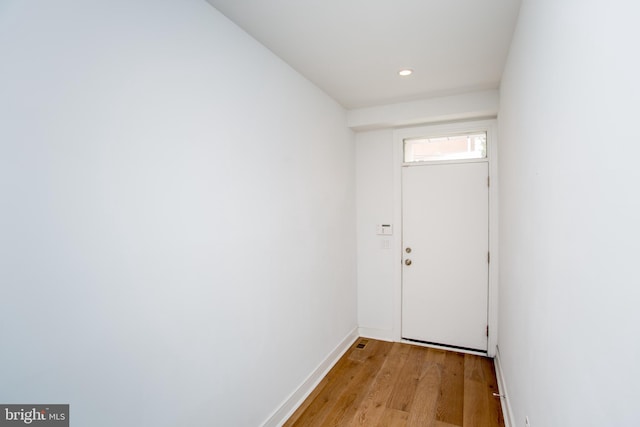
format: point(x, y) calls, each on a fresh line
point(353, 49)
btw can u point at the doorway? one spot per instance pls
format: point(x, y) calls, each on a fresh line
point(445, 275)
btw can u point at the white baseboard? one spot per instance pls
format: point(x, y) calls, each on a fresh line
point(507, 413)
point(376, 334)
point(290, 404)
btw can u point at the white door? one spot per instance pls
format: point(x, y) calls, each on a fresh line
point(445, 232)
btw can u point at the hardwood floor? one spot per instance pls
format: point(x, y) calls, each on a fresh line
point(394, 384)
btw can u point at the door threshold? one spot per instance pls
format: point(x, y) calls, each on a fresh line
point(458, 349)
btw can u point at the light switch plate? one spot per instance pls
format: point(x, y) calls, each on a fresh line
point(384, 229)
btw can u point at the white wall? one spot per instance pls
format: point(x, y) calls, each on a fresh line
point(177, 216)
point(569, 150)
point(374, 195)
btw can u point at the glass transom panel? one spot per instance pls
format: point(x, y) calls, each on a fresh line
point(447, 148)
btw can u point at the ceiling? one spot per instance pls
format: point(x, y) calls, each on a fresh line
point(353, 49)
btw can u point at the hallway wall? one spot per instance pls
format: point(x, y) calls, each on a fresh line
point(177, 216)
point(569, 150)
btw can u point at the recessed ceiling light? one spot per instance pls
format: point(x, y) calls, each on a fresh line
point(405, 72)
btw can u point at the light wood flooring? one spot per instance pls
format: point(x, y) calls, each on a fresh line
point(394, 384)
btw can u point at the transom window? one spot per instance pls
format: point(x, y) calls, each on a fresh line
point(458, 147)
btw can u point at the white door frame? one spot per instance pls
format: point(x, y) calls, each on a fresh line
point(492, 154)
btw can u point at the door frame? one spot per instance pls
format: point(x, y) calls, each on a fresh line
point(490, 126)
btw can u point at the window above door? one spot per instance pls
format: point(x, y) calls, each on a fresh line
point(446, 148)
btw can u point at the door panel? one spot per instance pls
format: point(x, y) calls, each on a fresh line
point(446, 226)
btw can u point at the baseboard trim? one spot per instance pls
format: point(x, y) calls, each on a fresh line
point(507, 413)
point(376, 334)
point(290, 404)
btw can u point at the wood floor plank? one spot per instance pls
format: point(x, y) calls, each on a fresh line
point(423, 409)
point(436, 355)
point(373, 407)
point(476, 404)
point(443, 424)
point(473, 368)
point(392, 418)
point(479, 384)
point(450, 400)
point(346, 408)
point(403, 393)
point(401, 385)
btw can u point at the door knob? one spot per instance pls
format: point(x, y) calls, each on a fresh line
point(407, 262)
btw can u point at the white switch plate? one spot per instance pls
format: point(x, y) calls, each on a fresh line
point(384, 229)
